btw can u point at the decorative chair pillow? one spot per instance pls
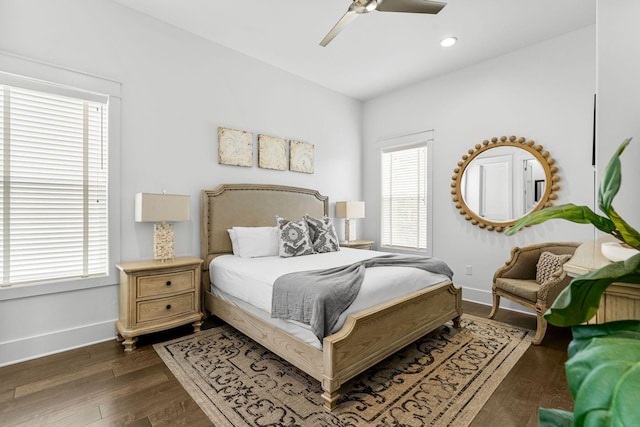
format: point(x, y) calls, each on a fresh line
point(549, 263)
point(293, 238)
point(323, 234)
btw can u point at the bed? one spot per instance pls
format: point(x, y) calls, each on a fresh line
point(366, 337)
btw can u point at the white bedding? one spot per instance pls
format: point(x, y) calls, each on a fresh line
point(248, 282)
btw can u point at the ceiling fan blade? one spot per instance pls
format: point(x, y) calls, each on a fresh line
point(410, 6)
point(343, 22)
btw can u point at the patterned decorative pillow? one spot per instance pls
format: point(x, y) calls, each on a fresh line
point(323, 234)
point(549, 263)
point(293, 238)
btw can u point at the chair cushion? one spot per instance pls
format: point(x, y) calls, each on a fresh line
point(525, 289)
point(548, 264)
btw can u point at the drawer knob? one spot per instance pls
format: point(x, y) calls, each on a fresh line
point(168, 282)
point(168, 306)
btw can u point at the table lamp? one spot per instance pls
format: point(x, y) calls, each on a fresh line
point(349, 211)
point(162, 209)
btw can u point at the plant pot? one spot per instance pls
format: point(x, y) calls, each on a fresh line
point(615, 251)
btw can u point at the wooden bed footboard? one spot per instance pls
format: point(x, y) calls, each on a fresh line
point(301, 355)
point(371, 335)
point(365, 339)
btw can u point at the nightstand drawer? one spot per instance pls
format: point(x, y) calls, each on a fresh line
point(151, 286)
point(165, 307)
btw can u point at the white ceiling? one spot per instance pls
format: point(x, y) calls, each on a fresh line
point(379, 51)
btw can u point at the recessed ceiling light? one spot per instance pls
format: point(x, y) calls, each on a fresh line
point(448, 41)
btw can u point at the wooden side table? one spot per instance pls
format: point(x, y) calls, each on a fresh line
point(155, 296)
point(358, 244)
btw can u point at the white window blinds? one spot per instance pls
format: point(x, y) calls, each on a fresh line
point(53, 194)
point(404, 198)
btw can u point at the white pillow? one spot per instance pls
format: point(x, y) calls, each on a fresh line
point(234, 241)
point(254, 242)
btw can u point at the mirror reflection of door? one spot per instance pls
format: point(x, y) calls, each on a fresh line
point(501, 183)
point(488, 187)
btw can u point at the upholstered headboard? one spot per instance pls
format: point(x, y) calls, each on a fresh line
point(251, 205)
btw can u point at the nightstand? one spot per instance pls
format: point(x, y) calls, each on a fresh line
point(358, 244)
point(157, 295)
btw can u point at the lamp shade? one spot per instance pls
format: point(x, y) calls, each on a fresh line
point(349, 209)
point(162, 207)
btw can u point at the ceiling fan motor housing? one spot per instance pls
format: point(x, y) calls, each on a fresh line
point(364, 6)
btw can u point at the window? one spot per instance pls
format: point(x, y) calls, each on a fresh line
point(405, 196)
point(54, 222)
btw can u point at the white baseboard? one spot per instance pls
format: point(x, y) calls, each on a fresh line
point(55, 342)
point(477, 295)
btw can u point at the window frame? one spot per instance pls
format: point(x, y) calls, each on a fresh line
point(20, 71)
point(402, 142)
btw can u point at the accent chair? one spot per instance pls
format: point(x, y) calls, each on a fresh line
point(533, 277)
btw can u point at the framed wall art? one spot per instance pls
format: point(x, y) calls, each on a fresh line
point(272, 153)
point(235, 147)
point(301, 156)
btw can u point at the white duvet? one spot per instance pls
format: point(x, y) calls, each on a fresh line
point(249, 282)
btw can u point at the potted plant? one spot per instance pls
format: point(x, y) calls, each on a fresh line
point(603, 369)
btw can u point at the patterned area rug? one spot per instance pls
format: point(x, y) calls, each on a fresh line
point(443, 379)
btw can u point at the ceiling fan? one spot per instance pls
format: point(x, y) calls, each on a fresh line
point(358, 7)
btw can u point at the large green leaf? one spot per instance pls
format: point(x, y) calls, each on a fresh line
point(594, 398)
point(582, 334)
point(569, 212)
point(624, 231)
point(625, 411)
point(579, 301)
point(554, 418)
point(604, 379)
point(609, 187)
point(612, 178)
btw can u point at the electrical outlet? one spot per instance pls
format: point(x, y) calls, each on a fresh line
point(469, 270)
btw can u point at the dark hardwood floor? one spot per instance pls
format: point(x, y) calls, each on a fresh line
point(537, 380)
point(100, 385)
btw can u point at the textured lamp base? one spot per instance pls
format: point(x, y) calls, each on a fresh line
point(349, 230)
point(163, 242)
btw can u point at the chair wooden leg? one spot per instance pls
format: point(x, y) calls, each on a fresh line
point(496, 305)
point(541, 329)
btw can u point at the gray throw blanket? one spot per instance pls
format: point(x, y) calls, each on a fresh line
point(318, 297)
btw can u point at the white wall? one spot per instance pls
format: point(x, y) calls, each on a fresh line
point(544, 92)
point(619, 98)
point(177, 90)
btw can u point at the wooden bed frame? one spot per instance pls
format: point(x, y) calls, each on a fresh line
point(366, 338)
